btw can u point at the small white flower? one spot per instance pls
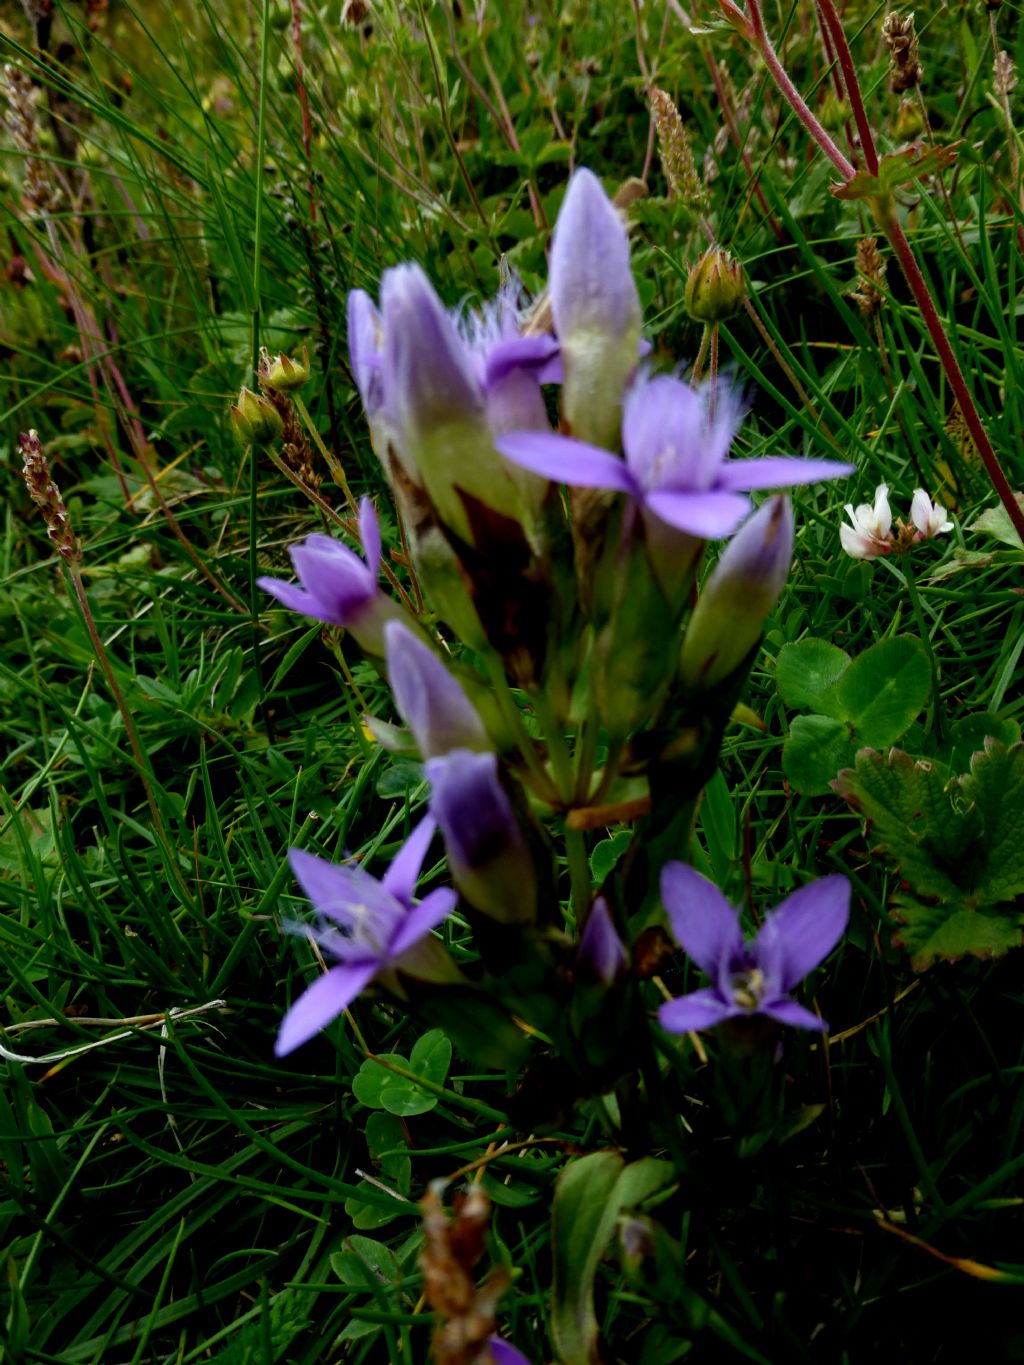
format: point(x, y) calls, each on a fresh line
point(870, 532)
point(930, 518)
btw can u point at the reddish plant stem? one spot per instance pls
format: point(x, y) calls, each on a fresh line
point(835, 29)
point(912, 271)
point(751, 25)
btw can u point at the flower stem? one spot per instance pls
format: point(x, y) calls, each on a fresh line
point(926, 639)
point(896, 237)
point(332, 461)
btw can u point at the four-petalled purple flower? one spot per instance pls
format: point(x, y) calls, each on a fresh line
point(756, 977)
point(675, 467)
point(369, 927)
point(338, 587)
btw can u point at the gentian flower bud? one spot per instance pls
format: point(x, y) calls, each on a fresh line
point(487, 854)
point(254, 419)
point(430, 701)
point(715, 287)
point(744, 586)
point(435, 402)
point(600, 950)
point(596, 309)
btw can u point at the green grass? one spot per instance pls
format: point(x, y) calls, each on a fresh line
point(177, 1195)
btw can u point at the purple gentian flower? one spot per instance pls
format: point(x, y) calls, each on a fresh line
point(600, 949)
point(368, 925)
point(675, 467)
point(504, 1354)
point(430, 701)
point(756, 977)
point(438, 393)
point(338, 587)
point(487, 854)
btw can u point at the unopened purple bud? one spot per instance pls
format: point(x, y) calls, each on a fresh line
point(600, 948)
point(434, 402)
point(428, 372)
point(596, 309)
point(429, 700)
point(744, 586)
point(487, 854)
point(365, 340)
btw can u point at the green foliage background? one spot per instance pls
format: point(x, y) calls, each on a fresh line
point(177, 1195)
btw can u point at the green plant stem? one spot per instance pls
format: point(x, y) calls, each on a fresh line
point(926, 640)
point(541, 783)
point(333, 463)
point(702, 354)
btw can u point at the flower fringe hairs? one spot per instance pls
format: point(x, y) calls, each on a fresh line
point(583, 688)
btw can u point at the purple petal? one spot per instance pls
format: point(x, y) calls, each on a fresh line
point(600, 947)
point(432, 910)
point(661, 416)
point(778, 471)
point(504, 1354)
point(592, 286)
point(369, 535)
point(806, 927)
point(531, 353)
point(703, 922)
point(701, 1009)
point(321, 1003)
point(787, 1011)
point(364, 339)
point(401, 877)
point(429, 373)
point(708, 515)
point(567, 461)
point(345, 893)
point(429, 700)
point(335, 575)
point(472, 808)
point(293, 597)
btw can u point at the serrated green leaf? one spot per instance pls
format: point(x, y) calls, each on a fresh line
point(995, 786)
point(884, 689)
point(896, 169)
point(807, 673)
point(817, 748)
point(914, 809)
point(928, 932)
point(968, 735)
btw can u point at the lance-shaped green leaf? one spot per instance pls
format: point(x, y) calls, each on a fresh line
point(590, 1195)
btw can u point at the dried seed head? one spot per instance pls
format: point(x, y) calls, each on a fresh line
point(677, 161)
point(46, 496)
point(39, 194)
point(451, 1249)
point(899, 36)
point(1005, 76)
point(870, 267)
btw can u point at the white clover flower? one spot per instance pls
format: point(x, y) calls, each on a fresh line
point(931, 519)
point(870, 532)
